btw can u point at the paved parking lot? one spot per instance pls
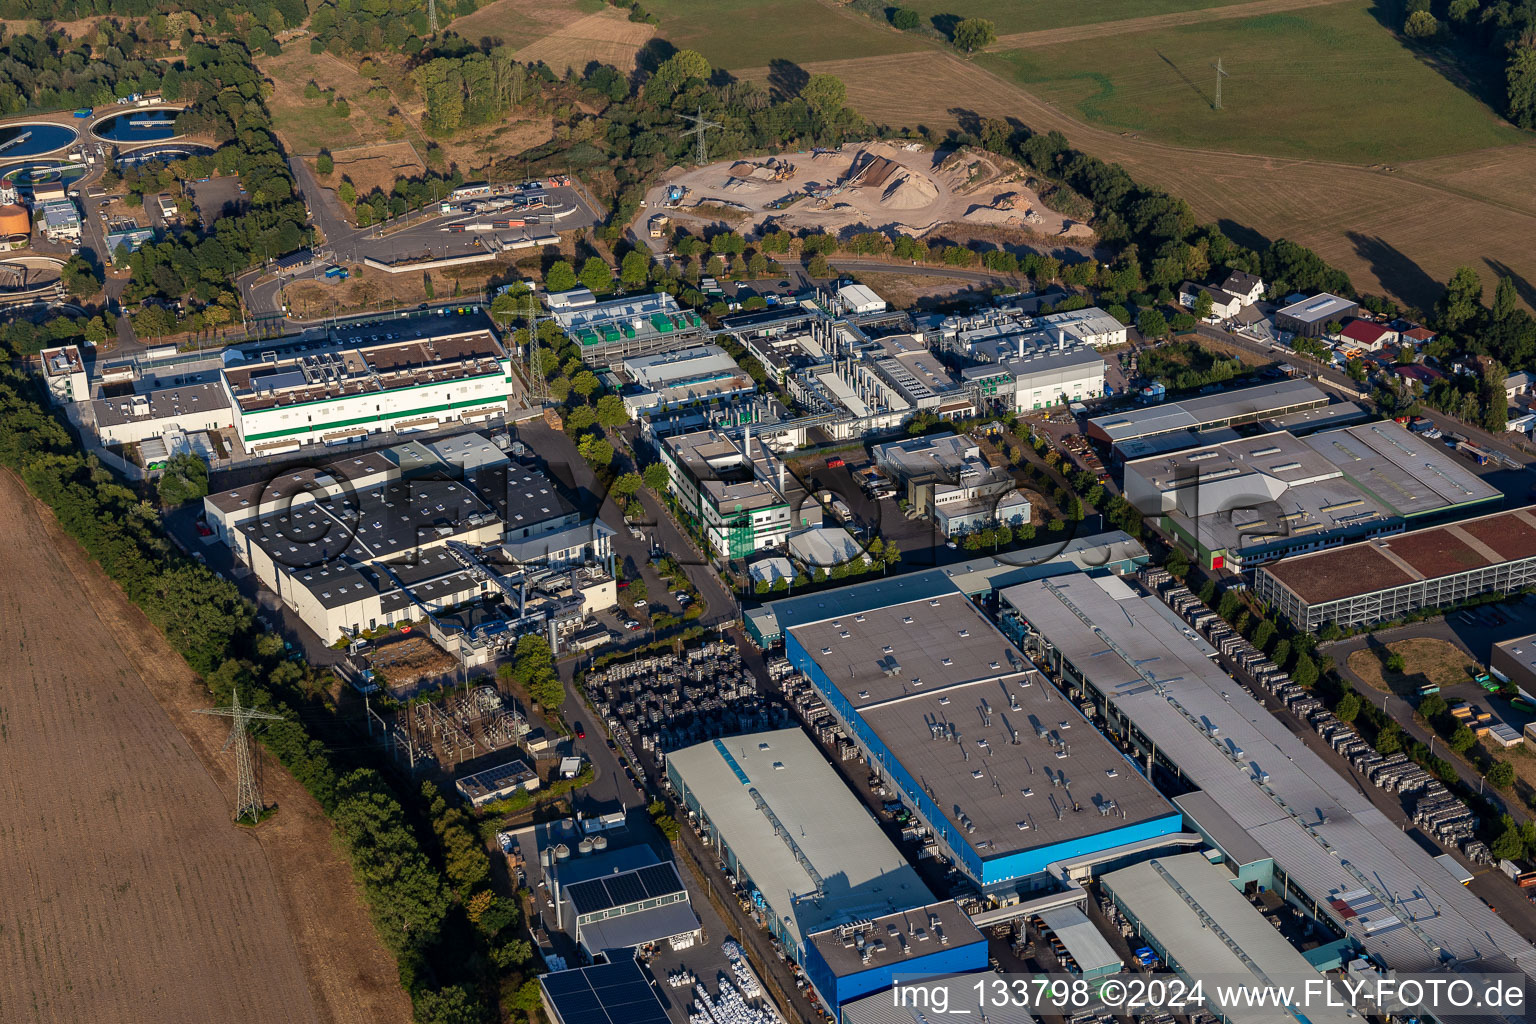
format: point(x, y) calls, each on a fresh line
point(217, 197)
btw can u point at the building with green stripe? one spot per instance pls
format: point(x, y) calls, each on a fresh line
point(715, 487)
point(282, 404)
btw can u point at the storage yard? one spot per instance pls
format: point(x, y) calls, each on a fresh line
point(667, 701)
point(874, 186)
point(141, 855)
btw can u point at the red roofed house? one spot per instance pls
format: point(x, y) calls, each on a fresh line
point(1367, 335)
point(1419, 335)
point(1425, 375)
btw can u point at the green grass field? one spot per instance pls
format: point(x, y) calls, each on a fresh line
point(1326, 83)
point(1042, 14)
point(750, 33)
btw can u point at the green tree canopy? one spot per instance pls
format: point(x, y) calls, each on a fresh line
point(560, 277)
point(974, 34)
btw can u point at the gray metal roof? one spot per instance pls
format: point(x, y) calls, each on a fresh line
point(1321, 828)
point(1211, 932)
point(891, 939)
point(967, 714)
point(1318, 309)
point(1222, 407)
point(1082, 939)
point(1218, 826)
point(1337, 414)
point(1405, 472)
point(641, 927)
point(807, 821)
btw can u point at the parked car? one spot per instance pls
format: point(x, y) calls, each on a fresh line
point(640, 603)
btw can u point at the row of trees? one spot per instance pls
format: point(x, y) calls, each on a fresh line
point(1497, 32)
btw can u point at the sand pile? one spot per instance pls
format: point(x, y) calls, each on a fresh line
point(908, 192)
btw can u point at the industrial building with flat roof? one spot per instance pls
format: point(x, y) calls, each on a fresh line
point(342, 394)
point(1112, 552)
point(1377, 580)
point(818, 864)
point(1515, 660)
point(1255, 499)
point(851, 961)
point(1188, 910)
point(716, 485)
point(1334, 853)
point(384, 537)
point(625, 325)
point(1223, 409)
point(668, 382)
point(786, 825)
point(1309, 317)
point(1039, 378)
point(1008, 777)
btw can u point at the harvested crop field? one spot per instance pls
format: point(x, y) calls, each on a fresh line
point(133, 899)
point(1389, 231)
point(521, 22)
point(608, 37)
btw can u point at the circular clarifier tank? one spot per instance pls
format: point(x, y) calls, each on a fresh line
point(134, 126)
point(34, 139)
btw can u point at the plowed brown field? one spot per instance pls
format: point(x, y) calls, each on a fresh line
point(126, 894)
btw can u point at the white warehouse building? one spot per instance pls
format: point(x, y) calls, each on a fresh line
point(1039, 379)
point(280, 404)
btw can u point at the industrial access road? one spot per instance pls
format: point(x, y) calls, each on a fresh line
point(421, 234)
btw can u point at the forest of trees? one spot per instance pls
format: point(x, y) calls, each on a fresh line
point(47, 71)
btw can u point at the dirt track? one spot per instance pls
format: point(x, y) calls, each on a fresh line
point(1125, 26)
point(131, 898)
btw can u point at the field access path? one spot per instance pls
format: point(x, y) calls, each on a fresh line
point(1149, 23)
point(130, 896)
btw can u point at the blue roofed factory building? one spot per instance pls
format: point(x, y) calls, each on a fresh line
point(822, 877)
point(1008, 776)
point(866, 956)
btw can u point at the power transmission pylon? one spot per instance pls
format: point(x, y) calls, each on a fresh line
point(1220, 74)
point(432, 16)
point(247, 797)
point(700, 126)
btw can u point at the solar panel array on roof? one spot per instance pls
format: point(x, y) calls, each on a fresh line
point(616, 993)
point(620, 890)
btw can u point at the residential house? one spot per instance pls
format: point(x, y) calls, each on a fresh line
point(1224, 306)
point(1367, 335)
point(1419, 374)
point(1516, 384)
point(1248, 288)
